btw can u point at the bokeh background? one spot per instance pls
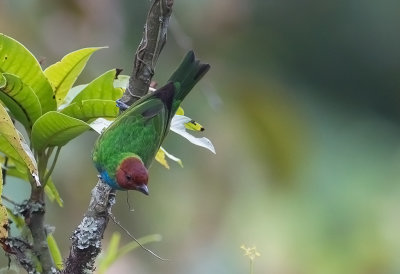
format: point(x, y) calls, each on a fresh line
point(302, 105)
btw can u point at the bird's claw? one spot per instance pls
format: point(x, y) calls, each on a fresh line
point(121, 105)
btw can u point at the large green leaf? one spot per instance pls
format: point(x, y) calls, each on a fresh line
point(17, 60)
point(18, 144)
point(21, 100)
point(92, 109)
point(63, 74)
point(100, 88)
point(56, 129)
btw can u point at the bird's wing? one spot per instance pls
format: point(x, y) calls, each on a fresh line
point(140, 129)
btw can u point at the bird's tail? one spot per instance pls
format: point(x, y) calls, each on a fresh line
point(189, 72)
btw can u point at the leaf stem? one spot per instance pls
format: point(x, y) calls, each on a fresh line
point(53, 164)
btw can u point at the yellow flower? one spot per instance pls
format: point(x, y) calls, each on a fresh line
point(250, 252)
point(160, 157)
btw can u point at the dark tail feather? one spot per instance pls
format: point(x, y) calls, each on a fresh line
point(189, 72)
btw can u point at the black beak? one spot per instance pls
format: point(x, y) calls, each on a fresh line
point(143, 188)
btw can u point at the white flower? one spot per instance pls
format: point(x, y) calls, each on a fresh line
point(178, 126)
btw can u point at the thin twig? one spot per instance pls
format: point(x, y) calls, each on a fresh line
point(5, 198)
point(133, 237)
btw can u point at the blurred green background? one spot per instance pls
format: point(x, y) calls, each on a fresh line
point(302, 105)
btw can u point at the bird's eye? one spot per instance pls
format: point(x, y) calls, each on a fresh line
point(128, 177)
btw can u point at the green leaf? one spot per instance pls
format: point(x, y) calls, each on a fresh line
point(72, 93)
point(55, 252)
point(100, 88)
point(16, 140)
point(8, 150)
point(16, 170)
point(113, 253)
point(3, 80)
point(21, 100)
point(16, 59)
point(56, 129)
point(92, 109)
point(52, 192)
point(63, 74)
point(108, 258)
point(18, 220)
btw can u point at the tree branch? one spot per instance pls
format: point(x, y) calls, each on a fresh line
point(86, 239)
point(153, 41)
point(33, 211)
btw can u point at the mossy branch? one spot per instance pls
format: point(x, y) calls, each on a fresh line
point(86, 239)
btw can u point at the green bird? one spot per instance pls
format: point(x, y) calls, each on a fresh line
point(124, 151)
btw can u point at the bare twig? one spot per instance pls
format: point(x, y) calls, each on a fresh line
point(21, 251)
point(134, 238)
point(9, 200)
point(86, 239)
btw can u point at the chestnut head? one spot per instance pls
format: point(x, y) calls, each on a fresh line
point(132, 175)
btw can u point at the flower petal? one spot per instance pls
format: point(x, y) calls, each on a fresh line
point(160, 157)
point(172, 157)
point(178, 126)
point(100, 124)
point(180, 111)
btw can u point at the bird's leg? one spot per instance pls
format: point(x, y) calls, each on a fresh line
point(121, 105)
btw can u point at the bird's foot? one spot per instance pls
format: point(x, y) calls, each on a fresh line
point(121, 105)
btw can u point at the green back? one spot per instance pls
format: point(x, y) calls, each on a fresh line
point(132, 132)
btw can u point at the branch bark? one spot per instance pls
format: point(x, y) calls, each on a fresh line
point(86, 239)
point(153, 41)
point(33, 211)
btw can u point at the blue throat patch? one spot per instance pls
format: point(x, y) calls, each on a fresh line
point(107, 179)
